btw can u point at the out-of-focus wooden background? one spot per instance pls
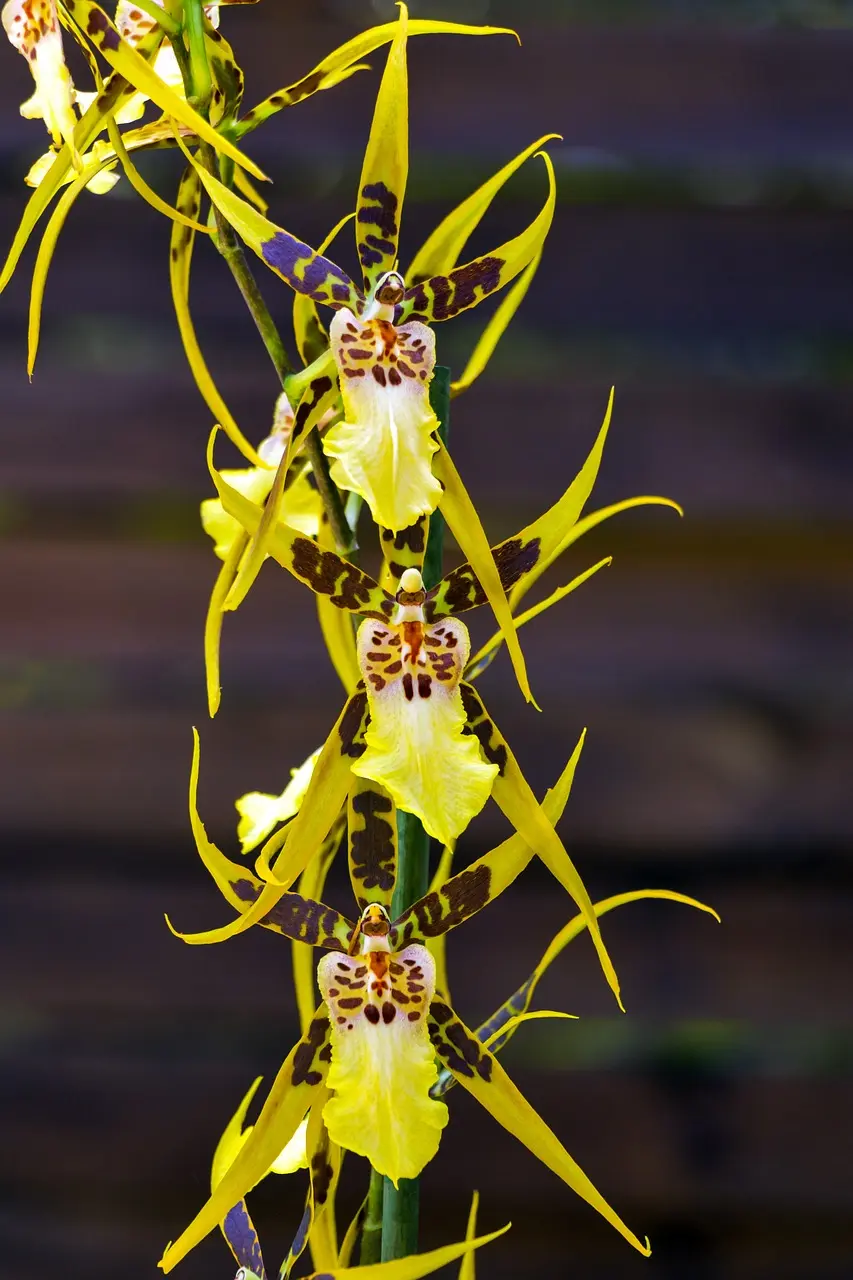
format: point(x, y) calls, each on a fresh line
point(702, 260)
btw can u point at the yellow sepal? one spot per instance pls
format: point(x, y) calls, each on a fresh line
point(180, 260)
point(486, 1080)
point(495, 329)
point(300, 1077)
point(485, 655)
point(440, 252)
point(464, 523)
point(382, 185)
point(413, 1267)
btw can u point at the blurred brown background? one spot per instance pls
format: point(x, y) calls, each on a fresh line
point(702, 260)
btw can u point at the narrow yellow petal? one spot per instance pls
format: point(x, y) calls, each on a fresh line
point(353, 1233)
point(382, 185)
point(232, 1138)
point(516, 1020)
point(495, 329)
point(45, 256)
point(440, 252)
point(514, 797)
point(464, 523)
point(213, 621)
point(479, 1071)
point(467, 1270)
point(484, 656)
point(383, 1065)
point(141, 187)
point(575, 531)
point(300, 1077)
point(180, 261)
point(413, 1267)
point(444, 296)
point(340, 62)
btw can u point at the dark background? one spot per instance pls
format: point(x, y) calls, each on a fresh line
point(702, 260)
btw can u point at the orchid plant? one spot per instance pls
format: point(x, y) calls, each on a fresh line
point(359, 428)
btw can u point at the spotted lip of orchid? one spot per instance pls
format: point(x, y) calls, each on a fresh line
point(383, 448)
point(416, 745)
point(382, 1066)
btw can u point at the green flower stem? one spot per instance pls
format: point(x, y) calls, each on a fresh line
point(371, 1231)
point(199, 65)
point(401, 1204)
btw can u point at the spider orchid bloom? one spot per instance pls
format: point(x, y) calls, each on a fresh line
point(368, 1053)
point(381, 345)
point(33, 28)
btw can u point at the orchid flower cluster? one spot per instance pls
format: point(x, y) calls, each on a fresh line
point(359, 429)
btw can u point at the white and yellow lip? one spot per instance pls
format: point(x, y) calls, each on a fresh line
point(383, 1064)
point(417, 747)
point(383, 448)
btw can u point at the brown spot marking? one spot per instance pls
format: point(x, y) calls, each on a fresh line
point(407, 686)
point(328, 575)
point(321, 1176)
point(413, 1017)
point(394, 378)
point(372, 1014)
point(424, 685)
point(306, 1052)
point(350, 1002)
point(349, 729)
point(438, 911)
point(462, 1052)
point(373, 849)
point(379, 374)
point(380, 212)
point(389, 1013)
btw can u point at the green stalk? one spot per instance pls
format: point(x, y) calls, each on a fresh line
point(401, 1204)
point(199, 66)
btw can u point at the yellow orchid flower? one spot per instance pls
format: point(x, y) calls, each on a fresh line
point(382, 347)
point(33, 28)
point(368, 1055)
